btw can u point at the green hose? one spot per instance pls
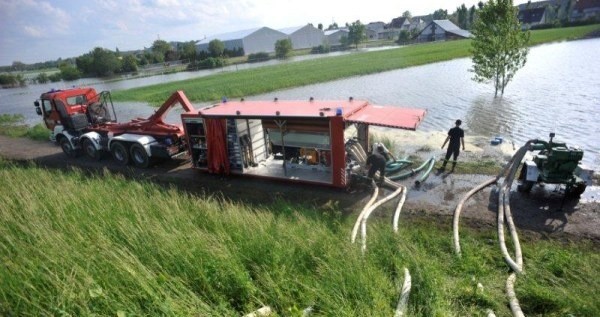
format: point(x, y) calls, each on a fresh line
point(396, 167)
point(412, 171)
point(427, 172)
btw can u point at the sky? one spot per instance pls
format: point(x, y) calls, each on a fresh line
point(42, 30)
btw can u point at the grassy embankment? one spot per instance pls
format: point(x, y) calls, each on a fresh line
point(271, 78)
point(13, 125)
point(108, 246)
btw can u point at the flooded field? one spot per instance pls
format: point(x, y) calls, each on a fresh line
point(557, 91)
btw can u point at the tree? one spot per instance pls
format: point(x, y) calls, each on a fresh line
point(404, 37)
point(18, 66)
point(129, 64)
point(462, 16)
point(69, 72)
point(216, 48)
point(356, 33)
point(333, 26)
point(440, 14)
point(42, 78)
point(407, 14)
point(283, 48)
point(472, 13)
point(161, 47)
point(499, 46)
point(187, 50)
point(99, 62)
point(320, 26)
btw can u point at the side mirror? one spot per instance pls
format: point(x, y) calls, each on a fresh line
point(36, 103)
point(38, 111)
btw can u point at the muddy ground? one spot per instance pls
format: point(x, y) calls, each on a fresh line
point(540, 214)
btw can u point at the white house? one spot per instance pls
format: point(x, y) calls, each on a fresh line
point(251, 41)
point(440, 30)
point(333, 37)
point(306, 36)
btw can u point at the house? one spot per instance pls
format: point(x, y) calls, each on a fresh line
point(251, 41)
point(441, 30)
point(333, 37)
point(373, 29)
point(401, 23)
point(532, 17)
point(417, 24)
point(306, 36)
point(586, 10)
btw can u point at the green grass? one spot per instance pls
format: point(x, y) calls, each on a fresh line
point(270, 78)
point(74, 244)
point(13, 125)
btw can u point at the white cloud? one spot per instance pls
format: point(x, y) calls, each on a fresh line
point(33, 31)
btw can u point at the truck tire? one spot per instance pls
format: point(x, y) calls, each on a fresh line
point(90, 150)
point(139, 156)
point(67, 147)
point(119, 153)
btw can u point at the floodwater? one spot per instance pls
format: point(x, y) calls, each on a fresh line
point(557, 91)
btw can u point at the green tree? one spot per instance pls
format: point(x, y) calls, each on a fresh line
point(188, 51)
point(463, 17)
point(356, 33)
point(407, 14)
point(283, 48)
point(333, 26)
point(129, 64)
point(216, 48)
point(440, 14)
point(499, 46)
point(42, 78)
point(69, 72)
point(404, 37)
point(161, 47)
point(472, 15)
point(99, 62)
point(320, 26)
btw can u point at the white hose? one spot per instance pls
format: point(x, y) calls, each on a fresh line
point(459, 209)
point(364, 210)
point(401, 306)
point(512, 297)
point(399, 209)
point(368, 213)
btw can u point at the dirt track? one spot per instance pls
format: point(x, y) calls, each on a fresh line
point(538, 213)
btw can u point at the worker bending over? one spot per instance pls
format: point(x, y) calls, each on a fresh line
point(376, 162)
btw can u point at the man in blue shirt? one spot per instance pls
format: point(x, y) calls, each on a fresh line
point(456, 136)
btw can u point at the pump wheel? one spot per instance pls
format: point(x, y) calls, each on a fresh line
point(68, 148)
point(90, 150)
point(139, 156)
point(576, 190)
point(119, 153)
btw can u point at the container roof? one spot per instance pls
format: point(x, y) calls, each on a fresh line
point(355, 111)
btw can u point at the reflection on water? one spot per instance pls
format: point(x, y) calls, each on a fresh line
point(557, 91)
point(491, 117)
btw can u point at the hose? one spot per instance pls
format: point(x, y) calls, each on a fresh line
point(424, 176)
point(459, 209)
point(401, 306)
point(512, 297)
point(398, 210)
point(368, 213)
point(411, 172)
point(364, 210)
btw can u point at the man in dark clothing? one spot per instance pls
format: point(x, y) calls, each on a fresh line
point(456, 136)
point(376, 162)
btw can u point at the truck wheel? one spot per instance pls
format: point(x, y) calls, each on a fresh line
point(139, 156)
point(576, 190)
point(90, 150)
point(119, 153)
point(67, 148)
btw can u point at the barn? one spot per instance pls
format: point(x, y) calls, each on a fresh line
point(333, 37)
point(306, 36)
point(251, 41)
point(441, 30)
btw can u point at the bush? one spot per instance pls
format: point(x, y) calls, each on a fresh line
point(258, 57)
point(321, 49)
point(208, 63)
point(69, 73)
point(56, 77)
point(11, 81)
point(42, 78)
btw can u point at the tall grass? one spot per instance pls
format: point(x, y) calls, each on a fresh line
point(270, 78)
point(78, 244)
point(13, 125)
